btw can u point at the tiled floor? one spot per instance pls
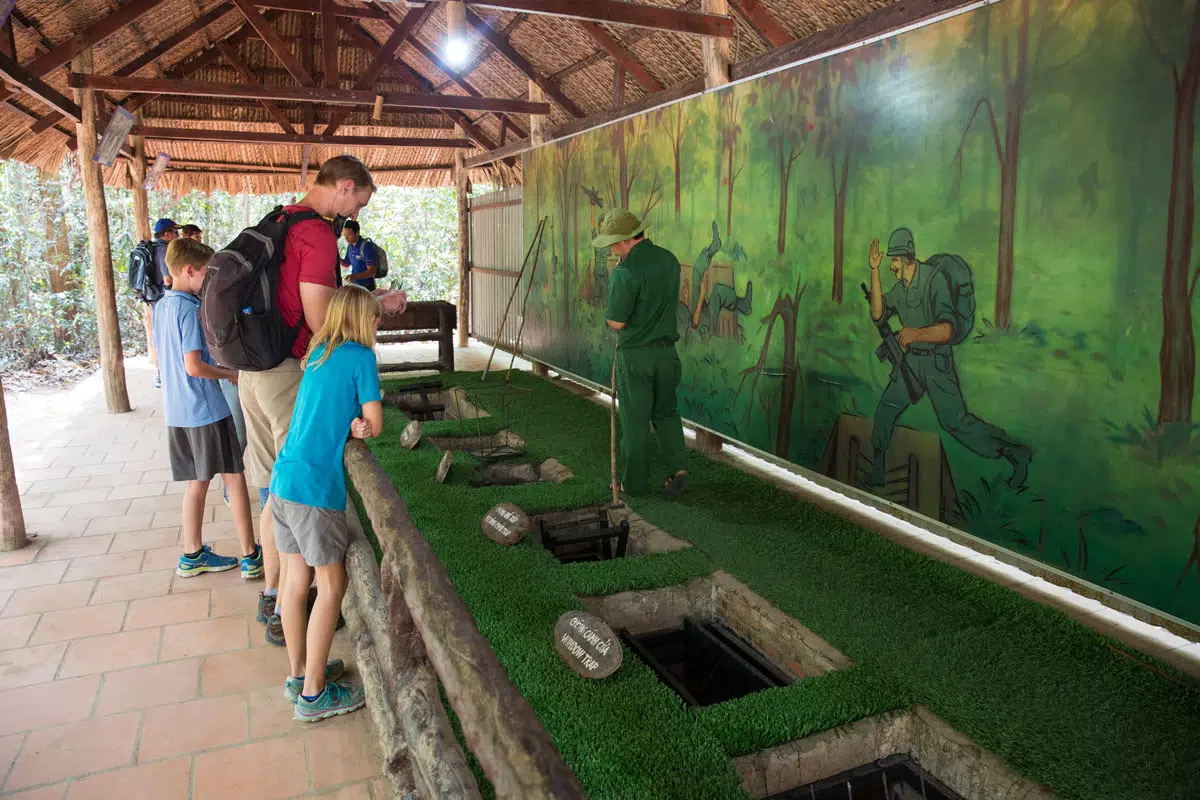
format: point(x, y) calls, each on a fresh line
point(118, 679)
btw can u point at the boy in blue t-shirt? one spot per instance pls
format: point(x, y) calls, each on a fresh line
point(308, 496)
point(361, 256)
point(202, 442)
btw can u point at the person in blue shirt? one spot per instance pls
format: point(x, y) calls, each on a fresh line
point(339, 397)
point(165, 232)
point(361, 256)
point(201, 440)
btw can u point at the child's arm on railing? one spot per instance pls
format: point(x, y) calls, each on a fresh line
point(370, 424)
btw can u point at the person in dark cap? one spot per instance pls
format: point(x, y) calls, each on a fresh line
point(192, 232)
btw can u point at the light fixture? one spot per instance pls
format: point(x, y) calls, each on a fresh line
point(457, 47)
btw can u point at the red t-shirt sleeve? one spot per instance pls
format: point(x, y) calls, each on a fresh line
point(316, 251)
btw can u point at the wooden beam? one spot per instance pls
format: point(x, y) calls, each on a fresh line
point(519, 61)
point(306, 53)
point(717, 54)
point(314, 7)
point(637, 14)
point(513, 148)
point(276, 113)
point(461, 191)
point(537, 125)
point(253, 137)
point(274, 43)
point(384, 55)
point(228, 165)
point(459, 79)
point(304, 94)
point(15, 74)
point(8, 39)
point(329, 43)
point(141, 202)
point(622, 56)
point(503, 130)
point(112, 361)
point(763, 23)
point(618, 85)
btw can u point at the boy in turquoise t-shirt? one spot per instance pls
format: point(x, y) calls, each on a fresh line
point(339, 397)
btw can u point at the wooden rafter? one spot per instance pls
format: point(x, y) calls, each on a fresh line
point(306, 53)
point(233, 58)
point(763, 23)
point(621, 56)
point(522, 64)
point(637, 14)
point(460, 80)
point(329, 43)
point(13, 73)
point(254, 137)
point(314, 7)
point(276, 45)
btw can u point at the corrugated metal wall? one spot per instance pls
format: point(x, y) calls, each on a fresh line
point(496, 249)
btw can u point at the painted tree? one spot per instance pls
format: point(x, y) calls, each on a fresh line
point(729, 128)
point(1022, 64)
point(671, 120)
point(567, 179)
point(786, 126)
point(632, 150)
point(1175, 40)
point(786, 310)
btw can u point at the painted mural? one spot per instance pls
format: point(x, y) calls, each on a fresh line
point(953, 267)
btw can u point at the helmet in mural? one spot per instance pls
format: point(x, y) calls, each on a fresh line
point(901, 244)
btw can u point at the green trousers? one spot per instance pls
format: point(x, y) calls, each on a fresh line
point(647, 378)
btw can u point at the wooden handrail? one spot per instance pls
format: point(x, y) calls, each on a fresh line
point(500, 727)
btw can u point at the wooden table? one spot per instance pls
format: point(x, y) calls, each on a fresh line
point(432, 321)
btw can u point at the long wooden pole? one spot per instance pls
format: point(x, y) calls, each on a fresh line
point(464, 249)
point(141, 200)
point(537, 238)
point(12, 520)
point(112, 361)
point(717, 54)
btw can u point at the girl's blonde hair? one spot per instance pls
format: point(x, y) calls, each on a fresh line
point(350, 318)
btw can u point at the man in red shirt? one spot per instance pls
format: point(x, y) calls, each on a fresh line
point(307, 278)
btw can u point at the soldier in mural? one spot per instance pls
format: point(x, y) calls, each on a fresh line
point(709, 299)
point(935, 302)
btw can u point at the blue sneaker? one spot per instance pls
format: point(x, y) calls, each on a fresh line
point(338, 698)
point(293, 686)
point(252, 566)
point(158, 380)
point(207, 561)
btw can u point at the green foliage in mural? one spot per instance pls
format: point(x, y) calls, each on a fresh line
point(1042, 154)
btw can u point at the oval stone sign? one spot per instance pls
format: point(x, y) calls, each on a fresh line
point(506, 524)
point(443, 469)
point(412, 434)
point(587, 644)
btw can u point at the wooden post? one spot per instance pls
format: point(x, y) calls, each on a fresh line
point(708, 443)
point(537, 122)
point(112, 362)
point(618, 85)
point(12, 520)
point(541, 370)
point(141, 200)
point(464, 249)
point(716, 53)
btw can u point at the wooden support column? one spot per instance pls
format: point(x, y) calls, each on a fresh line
point(618, 85)
point(461, 185)
point(537, 122)
point(540, 370)
point(716, 53)
point(141, 201)
point(112, 361)
point(12, 519)
point(708, 443)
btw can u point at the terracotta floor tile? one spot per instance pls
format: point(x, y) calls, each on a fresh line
point(154, 503)
point(136, 491)
point(91, 470)
point(104, 566)
point(145, 687)
point(207, 636)
point(77, 623)
point(32, 575)
point(29, 501)
point(210, 580)
point(4, 597)
point(144, 540)
point(166, 780)
point(29, 552)
point(269, 770)
point(9, 747)
point(54, 792)
point(167, 517)
point(14, 631)
point(34, 517)
point(30, 665)
point(190, 727)
point(115, 651)
point(78, 748)
point(122, 455)
point(54, 486)
point(358, 791)
point(343, 750)
point(159, 475)
point(48, 598)
point(170, 609)
point(133, 587)
point(119, 524)
point(108, 508)
point(47, 704)
point(56, 549)
point(237, 600)
point(74, 497)
point(244, 670)
point(112, 476)
point(382, 789)
point(271, 713)
point(166, 557)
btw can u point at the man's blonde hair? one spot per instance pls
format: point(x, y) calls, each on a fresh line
point(350, 318)
point(341, 168)
point(184, 252)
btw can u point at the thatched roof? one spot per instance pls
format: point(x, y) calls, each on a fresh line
point(561, 51)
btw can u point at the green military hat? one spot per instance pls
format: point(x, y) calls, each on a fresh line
point(901, 244)
point(617, 225)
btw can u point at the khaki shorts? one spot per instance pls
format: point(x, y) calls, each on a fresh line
point(321, 535)
point(267, 401)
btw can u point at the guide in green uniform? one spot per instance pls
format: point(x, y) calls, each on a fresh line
point(643, 293)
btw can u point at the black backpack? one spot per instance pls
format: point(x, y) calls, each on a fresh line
point(381, 266)
point(144, 276)
point(239, 308)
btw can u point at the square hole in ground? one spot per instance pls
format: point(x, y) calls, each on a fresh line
point(897, 777)
point(593, 533)
point(485, 447)
point(430, 400)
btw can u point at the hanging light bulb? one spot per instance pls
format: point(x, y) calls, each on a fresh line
point(457, 47)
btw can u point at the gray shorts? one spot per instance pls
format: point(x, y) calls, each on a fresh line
point(321, 535)
point(200, 454)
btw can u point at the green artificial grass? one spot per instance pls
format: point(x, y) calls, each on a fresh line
point(1055, 700)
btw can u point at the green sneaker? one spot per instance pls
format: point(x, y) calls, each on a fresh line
point(338, 698)
point(293, 686)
